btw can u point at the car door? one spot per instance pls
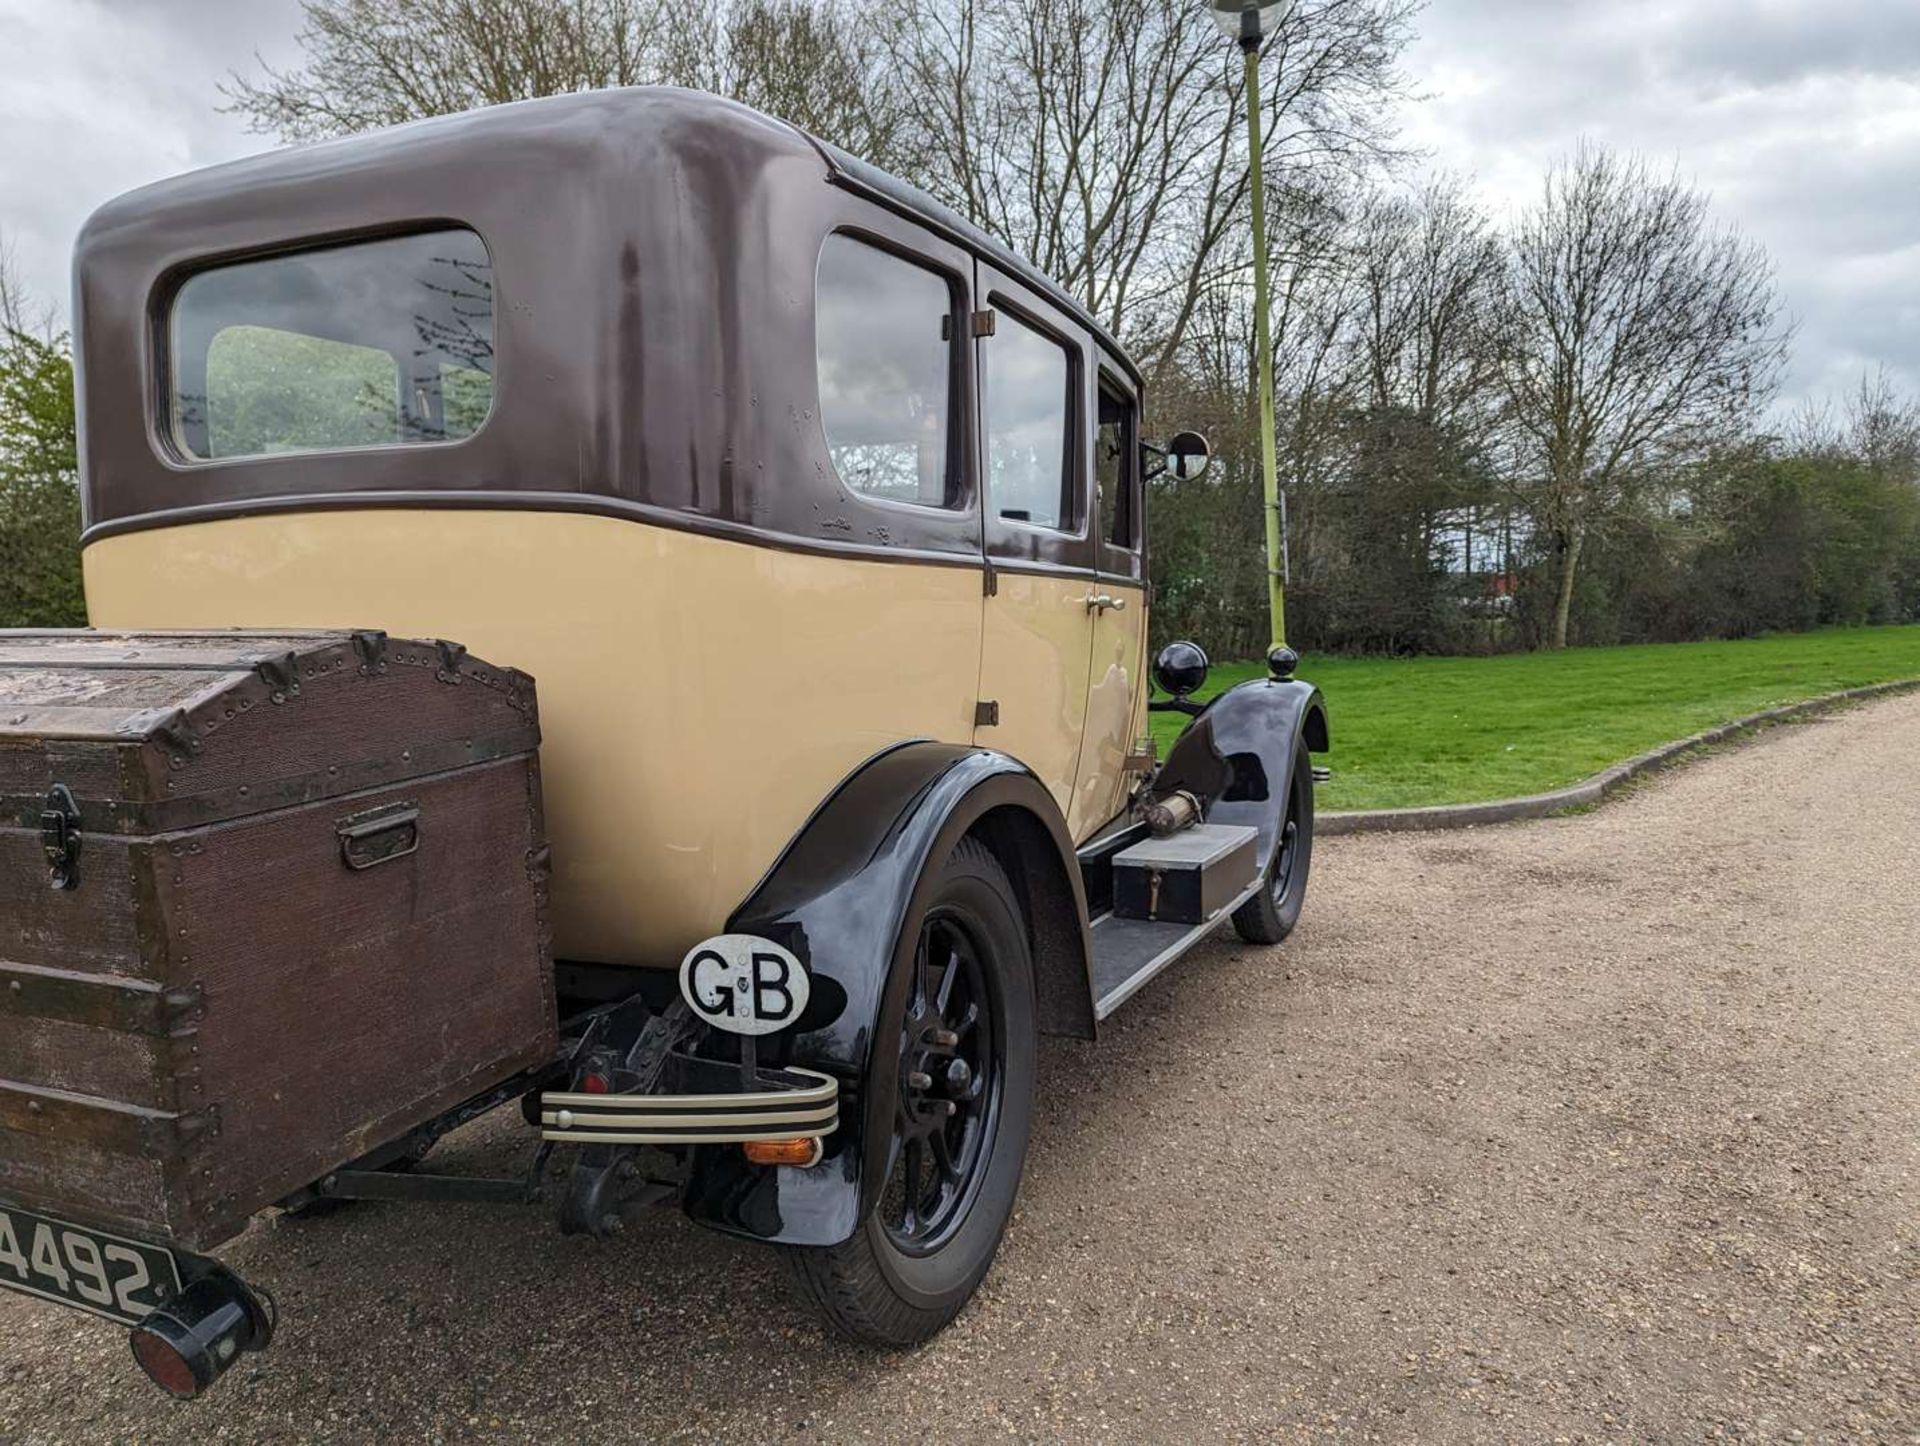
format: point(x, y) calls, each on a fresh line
point(1116, 716)
point(1036, 529)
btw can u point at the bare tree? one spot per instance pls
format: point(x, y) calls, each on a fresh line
point(12, 293)
point(372, 63)
point(823, 66)
point(20, 314)
point(1883, 427)
point(1101, 138)
point(1429, 268)
point(1631, 329)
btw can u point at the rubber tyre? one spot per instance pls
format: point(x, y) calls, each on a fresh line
point(1269, 916)
point(869, 1289)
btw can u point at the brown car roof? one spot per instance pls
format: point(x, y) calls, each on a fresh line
point(653, 257)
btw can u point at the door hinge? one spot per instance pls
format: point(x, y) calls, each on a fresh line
point(983, 323)
point(986, 713)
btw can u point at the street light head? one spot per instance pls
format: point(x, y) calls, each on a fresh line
point(1249, 21)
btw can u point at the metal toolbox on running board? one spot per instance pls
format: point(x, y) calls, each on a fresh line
point(1186, 878)
point(267, 902)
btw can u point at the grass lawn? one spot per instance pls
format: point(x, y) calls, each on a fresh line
point(1411, 731)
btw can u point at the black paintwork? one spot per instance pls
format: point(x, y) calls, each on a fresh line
point(1237, 756)
point(1180, 668)
point(1183, 893)
point(214, 1320)
point(843, 897)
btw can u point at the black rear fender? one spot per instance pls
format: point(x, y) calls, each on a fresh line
point(843, 898)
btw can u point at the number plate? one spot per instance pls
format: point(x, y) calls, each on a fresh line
point(107, 1274)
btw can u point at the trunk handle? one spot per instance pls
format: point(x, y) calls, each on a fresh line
point(379, 835)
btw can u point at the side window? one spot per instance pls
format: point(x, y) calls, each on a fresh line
point(1026, 378)
point(1116, 461)
point(883, 340)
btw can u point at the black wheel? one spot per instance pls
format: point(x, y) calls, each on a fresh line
point(962, 1109)
point(1269, 916)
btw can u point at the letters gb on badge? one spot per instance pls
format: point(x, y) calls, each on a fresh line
point(744, 984)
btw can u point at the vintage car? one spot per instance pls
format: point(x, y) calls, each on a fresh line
point(818, 520)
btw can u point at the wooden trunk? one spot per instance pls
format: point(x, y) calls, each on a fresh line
point(306, 912)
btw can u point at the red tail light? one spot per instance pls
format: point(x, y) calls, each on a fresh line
point(164, 1365)
point(189, 1341)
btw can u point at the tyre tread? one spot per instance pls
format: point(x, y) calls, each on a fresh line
point(1259, 920)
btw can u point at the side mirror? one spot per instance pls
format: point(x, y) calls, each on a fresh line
point(1186, 456)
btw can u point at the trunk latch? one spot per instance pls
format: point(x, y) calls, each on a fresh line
point(60, 838)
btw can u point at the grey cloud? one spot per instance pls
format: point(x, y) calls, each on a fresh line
point(1801, 118)
point(1737, 41)
point(104, 95)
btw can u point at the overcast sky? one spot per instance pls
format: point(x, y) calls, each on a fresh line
point(1801, 117)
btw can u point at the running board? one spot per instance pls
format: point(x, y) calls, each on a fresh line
point(1129, 952)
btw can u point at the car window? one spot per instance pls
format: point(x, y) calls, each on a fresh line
point(380, 343)
point(1115, 459)
point(1026, 377)
point(883, 340)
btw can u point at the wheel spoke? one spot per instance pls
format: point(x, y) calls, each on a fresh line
point(915, 1154)
point(893, 1184)
point(920, 965)
point(943, 1155)
point(944, 994)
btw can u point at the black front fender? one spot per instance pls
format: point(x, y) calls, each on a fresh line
point(1237, 757)
point(842, 899)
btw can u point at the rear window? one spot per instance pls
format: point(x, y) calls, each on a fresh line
point(375, 344)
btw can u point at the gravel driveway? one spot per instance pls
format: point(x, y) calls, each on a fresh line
point(1597, 1128)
